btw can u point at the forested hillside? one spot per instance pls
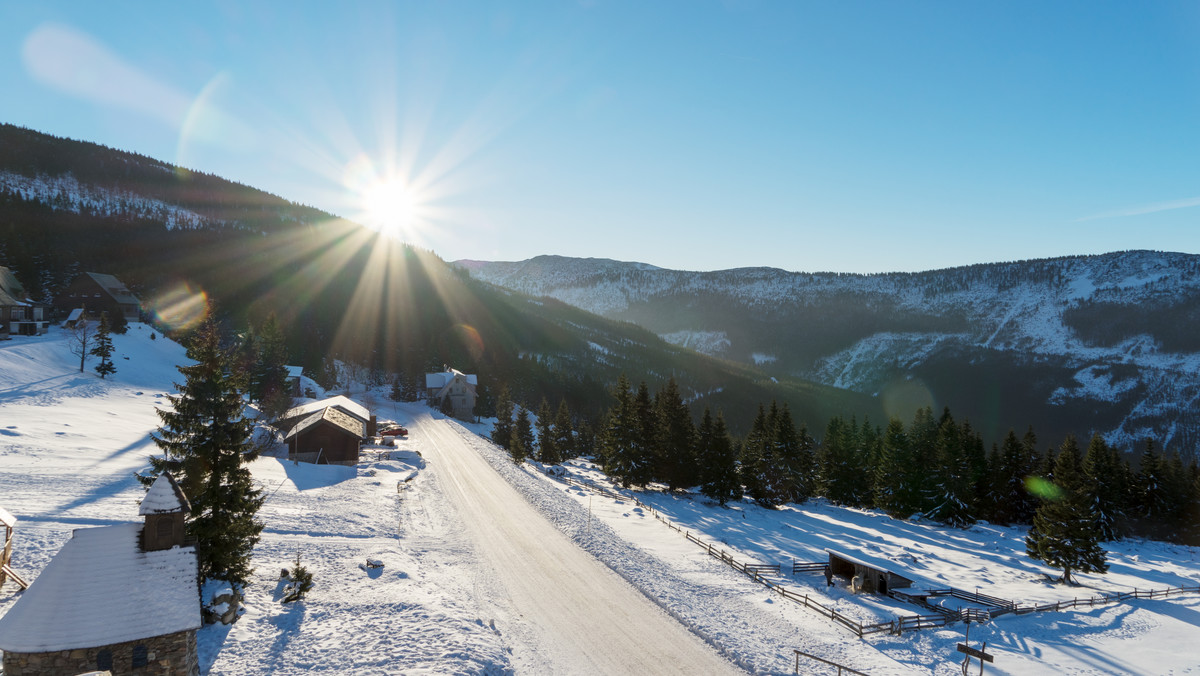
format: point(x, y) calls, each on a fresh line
point(1070, 345)
point(340, 291)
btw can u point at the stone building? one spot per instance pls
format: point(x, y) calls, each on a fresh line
point(122, 599)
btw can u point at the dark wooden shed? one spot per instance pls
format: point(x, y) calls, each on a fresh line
point(875, 576)
point(329, 436)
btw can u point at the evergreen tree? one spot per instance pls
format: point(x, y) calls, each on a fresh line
point(103, 348)
point(521, 443)
point(397, 391)
point(676, 443)
point(1011, 500)
point(206, 445)
point(585, 440)
point(548, 453)
point(717, 459)
point(892, 494)
point(794, 451)
point(620, 443)
point(754, 456)
point(564, 438)
point(1065, 532)
point(502, 429)
point(956, 483)
point(269, 376)
point(1105, 487)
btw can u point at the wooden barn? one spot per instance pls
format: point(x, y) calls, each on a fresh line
point(875, 577)
point(119, 599)
point(329, 436)
point(294, 416)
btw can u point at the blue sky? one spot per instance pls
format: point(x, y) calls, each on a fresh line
point(847, 136)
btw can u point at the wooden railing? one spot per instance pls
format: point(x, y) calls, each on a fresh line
point(841, 669)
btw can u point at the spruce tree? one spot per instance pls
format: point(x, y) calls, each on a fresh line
point(547, 449)
point(717, 460)
point(269, 376)
point(676, 443)
point(564, 437)
point(619, 442)
point(502, 429)
point(754, 457)
point(955, 484)
point(104, 348)
point(1105, 487)
point(1065, 532)
point(892, 494)
point(206, 445)
point(521, 443)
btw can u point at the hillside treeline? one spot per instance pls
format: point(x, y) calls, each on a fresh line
point(933, 467)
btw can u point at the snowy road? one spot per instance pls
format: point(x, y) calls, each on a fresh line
point(575, 614)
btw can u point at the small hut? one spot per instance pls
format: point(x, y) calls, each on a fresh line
point(875, 576)
point(122, 599)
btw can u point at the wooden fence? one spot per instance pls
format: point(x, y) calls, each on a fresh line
point(901, 623)
point(841, 669)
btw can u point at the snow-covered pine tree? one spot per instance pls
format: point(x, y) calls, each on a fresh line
point(755, 454)
point(1065, 532)
point(794, 452)
point(206, 445)
point(1106, 487)
point(103, 348)
point(955, 486)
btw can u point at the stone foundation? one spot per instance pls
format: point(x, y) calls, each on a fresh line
point(169, 655)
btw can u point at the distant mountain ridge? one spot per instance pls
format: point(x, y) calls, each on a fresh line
point(1104, 343)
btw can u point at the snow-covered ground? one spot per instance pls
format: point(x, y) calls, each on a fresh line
point(70, 442)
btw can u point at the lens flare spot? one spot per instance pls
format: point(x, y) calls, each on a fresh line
point(1043, 488)
point(470, 339)
point(181, 307)
point(902, 397)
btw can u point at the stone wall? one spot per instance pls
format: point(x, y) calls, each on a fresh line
point(169, 655)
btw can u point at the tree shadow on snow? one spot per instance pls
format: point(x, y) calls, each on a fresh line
point(307, 476)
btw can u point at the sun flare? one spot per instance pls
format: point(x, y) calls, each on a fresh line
point(389, 206)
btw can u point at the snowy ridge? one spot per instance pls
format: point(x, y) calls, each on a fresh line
point(1018, 309)
point(66, 193)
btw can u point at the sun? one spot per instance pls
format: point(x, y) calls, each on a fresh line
point(390, 207)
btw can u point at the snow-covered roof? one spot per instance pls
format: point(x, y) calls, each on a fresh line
point(164, 495)
point(11, 291)
point(882, 565)
point(7, 518)
point(102, 589)
point(349, 406)
point(75, 314)
point(337, 417)
point(440, 380)
point(294, 371)
point(114, 287)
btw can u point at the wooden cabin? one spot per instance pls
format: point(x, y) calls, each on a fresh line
point(97, 293)
point(329, 436)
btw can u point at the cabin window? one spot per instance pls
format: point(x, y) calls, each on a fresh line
point(104, 660)
point(139, 656)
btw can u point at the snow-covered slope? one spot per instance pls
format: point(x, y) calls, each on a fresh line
point(69, 443)
point(1111, 323)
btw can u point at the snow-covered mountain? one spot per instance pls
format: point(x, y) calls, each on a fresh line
point(1077, 344)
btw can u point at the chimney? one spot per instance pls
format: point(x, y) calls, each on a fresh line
point(164, 508)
